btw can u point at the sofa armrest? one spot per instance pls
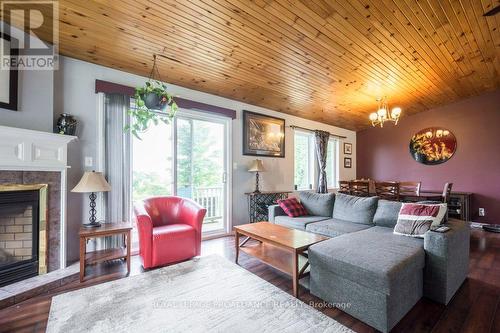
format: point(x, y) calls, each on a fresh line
point(192, 213)
point(273, 211)
point(446, 260)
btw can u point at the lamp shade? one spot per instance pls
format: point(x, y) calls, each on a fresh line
point(256, 166)
point(92, 182)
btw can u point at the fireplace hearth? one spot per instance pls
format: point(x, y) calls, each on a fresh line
point(22, 232)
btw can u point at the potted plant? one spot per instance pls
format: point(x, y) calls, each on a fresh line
point(153, 104)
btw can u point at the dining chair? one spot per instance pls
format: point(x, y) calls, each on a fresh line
point(447, 192)
point(360, 188)
point(387, 190)
point(344, 187)
point(409, 188)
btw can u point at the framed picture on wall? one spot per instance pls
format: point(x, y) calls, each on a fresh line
point(347, 148)
point(347, 162)
point(8, 78)
point(263, 135)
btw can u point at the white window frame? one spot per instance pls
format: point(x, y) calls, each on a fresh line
point(311, 165)
point(333, 142)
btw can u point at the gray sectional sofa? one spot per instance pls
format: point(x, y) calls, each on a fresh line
point(380, 275)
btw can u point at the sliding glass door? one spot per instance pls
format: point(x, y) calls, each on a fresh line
point(201, 170)
point(188, 158)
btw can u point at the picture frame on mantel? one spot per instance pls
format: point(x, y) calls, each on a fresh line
point(347, 148)
point(263, 135)
point(347, 162)
point(8, 78)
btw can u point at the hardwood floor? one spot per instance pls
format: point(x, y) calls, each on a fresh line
point(475, 307)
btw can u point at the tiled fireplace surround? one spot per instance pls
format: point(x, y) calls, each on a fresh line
point(53, 180)
point(34, 157)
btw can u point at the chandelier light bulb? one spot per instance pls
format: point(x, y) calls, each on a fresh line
point(373, 116)
point(382, 113)
point(396, 112)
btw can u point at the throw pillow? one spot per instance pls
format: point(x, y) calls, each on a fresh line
point(416, 219)
point(292, 207)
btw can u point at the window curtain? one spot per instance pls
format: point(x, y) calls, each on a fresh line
point(117, 163)
point(321, 143)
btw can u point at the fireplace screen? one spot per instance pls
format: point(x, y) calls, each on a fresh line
point(16, 233)
point(20, 235)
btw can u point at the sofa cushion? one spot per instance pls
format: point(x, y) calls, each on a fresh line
point(317, 204)
point(335, 227)
point(354, 209)
point(387, 213)
point(373, 257)
point(292, 207)
point(297, 222)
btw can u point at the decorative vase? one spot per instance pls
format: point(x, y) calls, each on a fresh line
point(66, 124)
point(154, 102)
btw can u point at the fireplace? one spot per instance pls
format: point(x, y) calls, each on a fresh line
point(23, 234)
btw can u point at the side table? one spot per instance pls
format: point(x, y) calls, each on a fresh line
point(93, 257)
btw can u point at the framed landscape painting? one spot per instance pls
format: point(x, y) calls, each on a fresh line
point(263, 135)
point(8, 78)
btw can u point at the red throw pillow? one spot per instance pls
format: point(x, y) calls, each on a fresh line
point(292, 207)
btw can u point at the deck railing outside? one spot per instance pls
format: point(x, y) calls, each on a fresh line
point(210, 198)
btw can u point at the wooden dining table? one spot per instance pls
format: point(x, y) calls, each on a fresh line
point(422, 196)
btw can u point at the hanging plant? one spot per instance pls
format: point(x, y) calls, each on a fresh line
point(152, 104)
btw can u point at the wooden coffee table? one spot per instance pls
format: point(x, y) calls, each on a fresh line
point(280, 247)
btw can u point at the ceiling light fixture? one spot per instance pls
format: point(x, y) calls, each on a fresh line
point(382, 115)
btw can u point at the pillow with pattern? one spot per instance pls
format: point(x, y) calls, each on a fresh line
point(416, 219)
point(292, 207)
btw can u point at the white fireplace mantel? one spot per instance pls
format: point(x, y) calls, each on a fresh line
point(22, 149)
point(28, 150)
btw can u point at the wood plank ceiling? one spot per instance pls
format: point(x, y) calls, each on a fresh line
point(324, 60)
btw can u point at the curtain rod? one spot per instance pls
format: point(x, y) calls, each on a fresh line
point(310, 130)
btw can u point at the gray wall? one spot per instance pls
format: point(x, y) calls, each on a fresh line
point(35, 102)
point(35, 99)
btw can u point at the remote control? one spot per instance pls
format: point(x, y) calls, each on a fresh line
point(442, 229)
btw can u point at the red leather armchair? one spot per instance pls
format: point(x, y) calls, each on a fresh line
point(169, 229)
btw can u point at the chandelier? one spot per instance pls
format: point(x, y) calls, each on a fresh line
point(382, 115)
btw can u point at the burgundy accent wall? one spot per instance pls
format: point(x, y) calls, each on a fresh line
point(383, 154)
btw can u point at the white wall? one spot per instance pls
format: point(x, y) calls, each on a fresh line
point(75, 94)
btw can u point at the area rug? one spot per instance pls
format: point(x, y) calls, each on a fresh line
point(207, 294)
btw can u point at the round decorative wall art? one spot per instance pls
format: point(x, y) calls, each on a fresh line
point(433, 145)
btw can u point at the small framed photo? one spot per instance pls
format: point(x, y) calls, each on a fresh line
point(347, 148)
point(347, 162)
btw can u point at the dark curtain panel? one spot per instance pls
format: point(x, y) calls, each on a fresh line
point(321, 143)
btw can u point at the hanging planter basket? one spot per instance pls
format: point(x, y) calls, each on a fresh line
point(153, 104)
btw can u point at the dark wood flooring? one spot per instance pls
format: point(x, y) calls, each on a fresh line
point(475, 307)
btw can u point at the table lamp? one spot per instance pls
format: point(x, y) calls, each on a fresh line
point(92, 182)
point(257, 166)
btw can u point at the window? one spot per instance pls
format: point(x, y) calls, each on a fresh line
point(304, 160)
point(332, 163)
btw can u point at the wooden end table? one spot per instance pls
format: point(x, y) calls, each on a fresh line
point(93, 257)
point(279, 247)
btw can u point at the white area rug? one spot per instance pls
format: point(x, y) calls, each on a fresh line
point(207, 294)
